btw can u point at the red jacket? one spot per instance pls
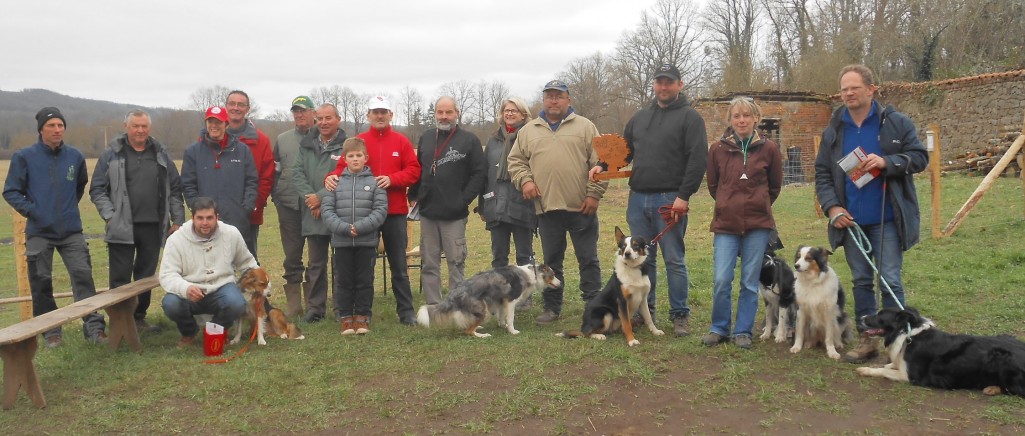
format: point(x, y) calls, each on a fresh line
point(263, 158)
point(389, 153)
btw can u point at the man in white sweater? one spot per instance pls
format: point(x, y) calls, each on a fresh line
point(198, 271)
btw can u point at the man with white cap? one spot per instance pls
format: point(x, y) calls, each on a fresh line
point(287, 203)
point(393, 162)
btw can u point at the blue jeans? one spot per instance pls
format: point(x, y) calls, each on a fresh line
point(726, 247)
point(888, 257)
point(226, 304)
point(645, 221)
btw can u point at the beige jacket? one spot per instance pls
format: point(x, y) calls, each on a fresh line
point(557, 162)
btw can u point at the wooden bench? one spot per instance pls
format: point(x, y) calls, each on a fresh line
point(19, 342)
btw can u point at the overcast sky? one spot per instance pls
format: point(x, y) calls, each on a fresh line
point(157, 53)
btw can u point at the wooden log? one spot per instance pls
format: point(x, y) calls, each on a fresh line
point(934, 178)
point(984, 186)
point(21, 267)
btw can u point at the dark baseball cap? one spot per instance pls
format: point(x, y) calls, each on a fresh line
point(667, 70)
point(556, 84)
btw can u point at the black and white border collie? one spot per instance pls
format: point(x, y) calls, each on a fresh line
point(625, 293)
point(820, 303)
point(777, 290)
point(924, 355)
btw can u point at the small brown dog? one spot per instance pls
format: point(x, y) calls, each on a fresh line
point(255, 285)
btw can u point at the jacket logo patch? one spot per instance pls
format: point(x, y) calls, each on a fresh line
point(336, 156)
point(366, 187)
point(235, 160)
point(451, 155)
point(394, 154)
point(71, 173)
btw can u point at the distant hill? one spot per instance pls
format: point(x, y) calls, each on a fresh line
point(23, 105)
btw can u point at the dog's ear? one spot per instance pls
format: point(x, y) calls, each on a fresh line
point(619, 236)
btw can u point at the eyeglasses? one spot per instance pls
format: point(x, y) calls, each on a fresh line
point(556, 97)
point(511, 111)
point(237, 104)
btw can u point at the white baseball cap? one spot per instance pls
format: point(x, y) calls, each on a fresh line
point(378, 102)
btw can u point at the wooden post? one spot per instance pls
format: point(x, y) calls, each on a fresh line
point(932, 140)
point(21, 267)
point(984, 186)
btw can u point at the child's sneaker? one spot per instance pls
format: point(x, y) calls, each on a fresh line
point(348, 326)
point(362, 324)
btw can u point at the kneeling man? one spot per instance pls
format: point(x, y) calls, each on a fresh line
point(198, 271)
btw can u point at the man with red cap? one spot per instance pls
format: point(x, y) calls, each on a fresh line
point(44, 184)
point(222, 168)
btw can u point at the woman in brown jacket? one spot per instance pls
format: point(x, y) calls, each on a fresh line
point(745, 174)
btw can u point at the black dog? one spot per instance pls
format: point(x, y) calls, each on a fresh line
point(926, 356)
point(777, 291)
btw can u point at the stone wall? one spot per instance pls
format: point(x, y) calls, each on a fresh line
point(972, 112)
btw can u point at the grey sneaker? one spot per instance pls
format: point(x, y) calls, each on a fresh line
point(713, 338)
point(98, 338)
point(681, 326)
point(743, 341)
point(546, 317)
point(144, 327)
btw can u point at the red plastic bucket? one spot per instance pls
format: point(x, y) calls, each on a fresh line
point(213, 339)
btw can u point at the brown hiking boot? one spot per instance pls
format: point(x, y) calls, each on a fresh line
point(362, 324)
point(546, 317)
point(348, 326)
point(186, 341)
point(868, 348)
point(293, 299)
point(681, 325)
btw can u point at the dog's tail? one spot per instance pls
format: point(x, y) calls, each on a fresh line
point(442, 315)
point(570, 335)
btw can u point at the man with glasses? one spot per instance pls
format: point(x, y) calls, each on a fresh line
point(242, 128)
point(669, 150)
point(551, 163)
point(288, 205)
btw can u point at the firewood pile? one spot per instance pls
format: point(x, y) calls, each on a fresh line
point(979, 162)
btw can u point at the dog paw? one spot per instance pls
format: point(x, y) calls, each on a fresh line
point(658, 332)
point(864, 370)
point(991, 390)
point(598, 336)
point(482, 335)
point(560, 334)
point(261, 341)
point(796, 349)
point(633, 342)
point(514, 332)
point(833, 354)
point(233, 342)
point(780, 339)
point(765, 336)
point(283, 336)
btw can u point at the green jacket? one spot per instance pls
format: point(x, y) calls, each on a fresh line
point(311, 166)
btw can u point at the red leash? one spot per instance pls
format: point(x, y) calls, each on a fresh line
point(670, 220)
point(244, 347)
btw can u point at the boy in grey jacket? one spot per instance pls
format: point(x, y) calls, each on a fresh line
point(354, 213)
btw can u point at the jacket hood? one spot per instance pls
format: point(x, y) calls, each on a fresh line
point(680, 102)
point(730, 138)
point(191, 236)
point(247, 130)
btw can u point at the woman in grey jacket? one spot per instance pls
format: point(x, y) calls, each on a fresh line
point(502, 208)
point(354, 213)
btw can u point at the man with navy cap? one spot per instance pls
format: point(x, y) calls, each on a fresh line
point(44, 184)
point(668, 149)
point(551, 163)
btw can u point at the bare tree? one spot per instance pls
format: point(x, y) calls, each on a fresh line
point(462, 92)
point(732, 26)
point(203, 98)
point(594, 88)
point(665, 35)
point(410, 100)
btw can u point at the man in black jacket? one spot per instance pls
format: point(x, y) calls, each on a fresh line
point(669, 151)
point(453, 175)
point(886, 208)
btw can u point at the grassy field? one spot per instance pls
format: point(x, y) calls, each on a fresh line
point(402, 380)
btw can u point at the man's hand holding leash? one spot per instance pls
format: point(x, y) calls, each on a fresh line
point(839, 217)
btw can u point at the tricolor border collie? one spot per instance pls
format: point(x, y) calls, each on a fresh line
point(495, 291)
point(776, 282)
point(625, 293)
point(925, 356)
point(820, 303)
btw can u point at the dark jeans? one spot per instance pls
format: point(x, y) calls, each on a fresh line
point(226, 304)
point(316, 274)
point(521, 236)
point(395, 240)
point(290, 222)
point(136, 261)
point(583, 231)
point(354, 280)
point(75, 253)
point(251, 239)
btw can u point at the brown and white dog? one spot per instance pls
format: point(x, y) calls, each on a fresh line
point(255, 285)
point(820, 303)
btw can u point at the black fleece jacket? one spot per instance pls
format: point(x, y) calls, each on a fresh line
point(668, 148)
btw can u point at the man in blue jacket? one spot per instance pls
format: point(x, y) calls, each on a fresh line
point(45, 183)
point(885, 209)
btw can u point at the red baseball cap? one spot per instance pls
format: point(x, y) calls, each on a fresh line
point(217, 112)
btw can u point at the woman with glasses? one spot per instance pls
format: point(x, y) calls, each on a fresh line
point(505, 213)
point(744, 174)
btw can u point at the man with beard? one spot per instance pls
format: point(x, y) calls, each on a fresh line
point(552, 163)
point(286, 201)
point(393, 162)
point(454, 175)
point(242, 128)
point(318, 155)
point(669, 151)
